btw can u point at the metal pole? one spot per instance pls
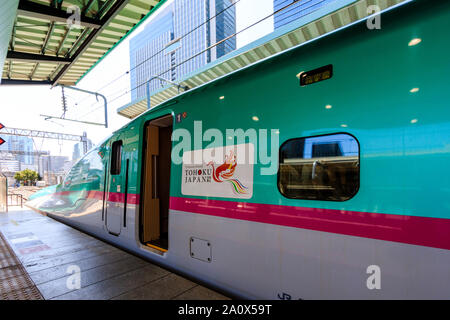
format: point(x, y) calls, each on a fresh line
point(73, 120)
point(153, 77)
point(84, 140)
point(148, 92)
point(6, 182)
point(96, 95)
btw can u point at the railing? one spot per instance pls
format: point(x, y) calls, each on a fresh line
point(18, 200)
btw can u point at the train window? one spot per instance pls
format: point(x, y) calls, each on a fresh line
point(116, 157)
point(320, 168)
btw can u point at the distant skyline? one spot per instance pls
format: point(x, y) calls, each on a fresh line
point(78, 149)
point(19, 144)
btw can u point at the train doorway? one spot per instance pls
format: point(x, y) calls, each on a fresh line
point(154, 228)
point(114, 187)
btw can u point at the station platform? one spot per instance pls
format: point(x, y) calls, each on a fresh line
point(38, 255)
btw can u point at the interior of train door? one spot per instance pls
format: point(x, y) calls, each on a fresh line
point(113, 198)
point(154, 220)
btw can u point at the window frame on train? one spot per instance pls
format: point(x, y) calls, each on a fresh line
point(116, 157)
point(318, 196)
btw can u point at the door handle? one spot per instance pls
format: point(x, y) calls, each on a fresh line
point(154, 176)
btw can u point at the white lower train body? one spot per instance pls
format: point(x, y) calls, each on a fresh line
point(256, 260)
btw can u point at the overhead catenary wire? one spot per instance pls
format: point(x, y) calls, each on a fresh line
point(209, 48)
point(219, 42)
point(198, 53)
point(106, 85)
point(181, 37)
point(131, 69)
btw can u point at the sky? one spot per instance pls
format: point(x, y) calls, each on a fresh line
point(22, 106)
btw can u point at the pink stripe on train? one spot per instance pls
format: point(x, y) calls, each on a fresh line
point(115, 197)
point(423, 231)
point(112, 196)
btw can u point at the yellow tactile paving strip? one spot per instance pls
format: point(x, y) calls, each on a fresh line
point(15, 284)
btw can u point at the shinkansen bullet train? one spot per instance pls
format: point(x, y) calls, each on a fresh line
point(344, 192)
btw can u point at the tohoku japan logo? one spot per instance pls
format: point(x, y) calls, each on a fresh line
point(219, 172)
point(225, 172)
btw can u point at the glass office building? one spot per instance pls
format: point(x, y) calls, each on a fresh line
point(21, 147)
point(78, 149)
point(176, 42)
point(293, 11)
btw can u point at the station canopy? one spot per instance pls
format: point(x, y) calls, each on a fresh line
point(39, 46)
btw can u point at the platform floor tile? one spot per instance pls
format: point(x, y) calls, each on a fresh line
point(46, 249)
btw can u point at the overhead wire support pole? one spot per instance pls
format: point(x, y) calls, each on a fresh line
point(44, 135)
point(73, 120)
point(153, 77)
point(40, 134)
point(96, 94)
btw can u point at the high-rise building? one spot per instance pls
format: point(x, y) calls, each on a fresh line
point(294, 11)
point(147, 54)
point(52, 168)
point(9, 163)
point(225, 26)
point(53, 164)
point(20, 146)
point(176, 42)
point(78, 150)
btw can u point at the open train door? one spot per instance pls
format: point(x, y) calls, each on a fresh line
point(114, 188)
point(154, 227)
